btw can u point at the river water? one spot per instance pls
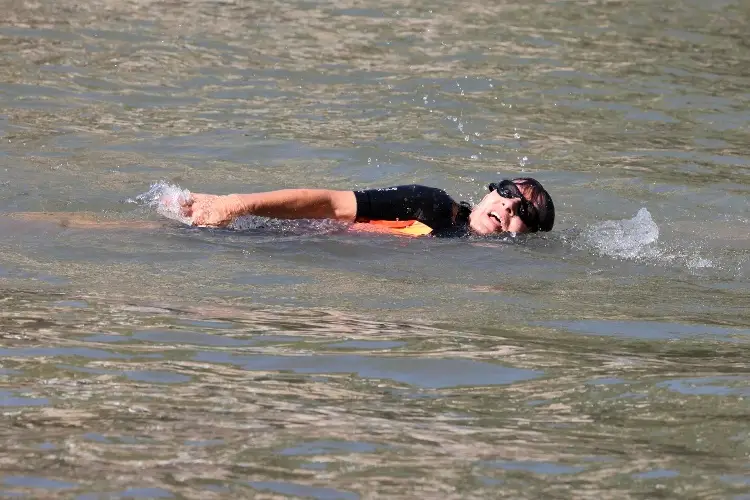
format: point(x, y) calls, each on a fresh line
point(140, 358)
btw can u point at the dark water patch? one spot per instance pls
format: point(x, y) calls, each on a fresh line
point(421, 372)
point(330, 448)
point(216, 488)
point(10, 399)
point(43, 277)
point(137, 493)
point(156, 377)
point(657, 474)
point(37, 483)
point(278, 339)
point(319, 466)
point(710, 386)
point(12, 494)
point(489, 481)
point(285, 488)
point(736, 479)
point(107, 338)
point(181, 337)
point(650, 330)
point(367, 344)
point(76, 304)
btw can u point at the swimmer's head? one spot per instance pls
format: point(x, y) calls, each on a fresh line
point(519, 206)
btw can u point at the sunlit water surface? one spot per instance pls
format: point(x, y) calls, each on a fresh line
point(141, 358)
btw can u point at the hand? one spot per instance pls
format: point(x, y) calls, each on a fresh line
point(210, 209)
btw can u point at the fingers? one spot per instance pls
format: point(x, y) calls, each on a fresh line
point(195, 203)
point(200, 209)
point(186, 206)
point(194, 198)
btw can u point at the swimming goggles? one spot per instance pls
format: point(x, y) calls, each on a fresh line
point(526, 210)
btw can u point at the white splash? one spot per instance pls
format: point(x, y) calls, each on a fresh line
point(165, 198)
point(628, 239)
point(638, 239)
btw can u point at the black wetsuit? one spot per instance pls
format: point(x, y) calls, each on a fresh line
point(428, 205)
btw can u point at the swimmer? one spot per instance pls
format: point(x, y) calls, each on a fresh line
point(512, 206)
point(520, 205)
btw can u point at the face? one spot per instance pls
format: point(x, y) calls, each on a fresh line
point(497, 214)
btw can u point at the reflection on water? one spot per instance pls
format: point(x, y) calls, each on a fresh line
point(140, 358)
point(254, 402)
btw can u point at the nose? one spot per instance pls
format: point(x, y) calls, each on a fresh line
point(511, 205)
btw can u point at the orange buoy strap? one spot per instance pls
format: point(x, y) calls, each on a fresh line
point(402, 227)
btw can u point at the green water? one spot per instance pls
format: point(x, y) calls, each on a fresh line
point(606, 359)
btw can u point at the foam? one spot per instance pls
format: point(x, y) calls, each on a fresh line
point(627, 239)
point(638, 239)
point(165, 198)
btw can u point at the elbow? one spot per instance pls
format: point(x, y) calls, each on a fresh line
point(343, 206)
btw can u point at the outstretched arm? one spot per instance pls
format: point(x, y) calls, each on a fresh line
point(213, 210)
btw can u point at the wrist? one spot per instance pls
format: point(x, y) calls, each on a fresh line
point(237, 205)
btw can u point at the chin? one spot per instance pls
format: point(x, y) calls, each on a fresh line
point(480, 231)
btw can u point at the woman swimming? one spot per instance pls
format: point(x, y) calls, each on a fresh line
point(520, 205)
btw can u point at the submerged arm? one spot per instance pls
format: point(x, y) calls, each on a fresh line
point(79, 220)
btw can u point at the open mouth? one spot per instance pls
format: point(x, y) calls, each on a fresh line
point(496, 216)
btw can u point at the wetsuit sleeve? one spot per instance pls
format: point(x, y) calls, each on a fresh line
point(428, 205)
